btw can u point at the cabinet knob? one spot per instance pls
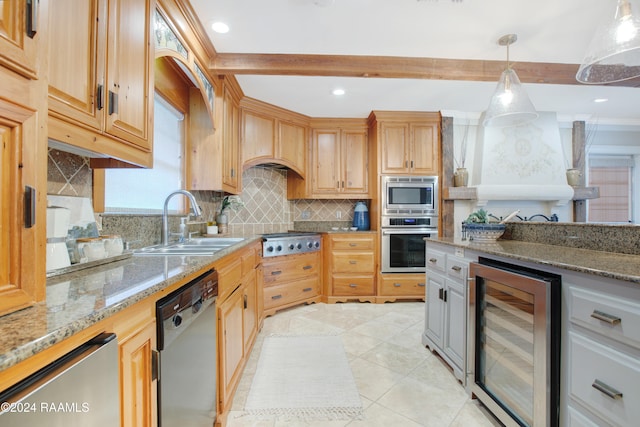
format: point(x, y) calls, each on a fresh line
point(307, 267)
point(397, 285)
point(307, 289)
point(433, 260)
point(276, 272)
point(422, 285)
point(353, 285)
point(456, 268)
point(353, 262)
point(276, 297)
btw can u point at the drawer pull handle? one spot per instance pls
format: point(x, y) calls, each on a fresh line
point(456, 268)
point(421, 285)
point(353, 285)
point(433, 260)
point(276, 297)
point(352, 262)
point(397, 285)
point(276, 272)
point(307, 289)
point(601, 315)
point(307, 267)
point(353, 245)
point(607, 390)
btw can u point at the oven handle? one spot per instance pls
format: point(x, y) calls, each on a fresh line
point(410, 231)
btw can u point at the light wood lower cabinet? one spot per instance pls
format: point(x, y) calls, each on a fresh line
point(138, 386)
point(291, 280)
point(393, 287)
point(239, 319)
point(350, 267)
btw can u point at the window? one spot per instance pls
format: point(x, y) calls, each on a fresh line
point(613, 175)
point(145, 190)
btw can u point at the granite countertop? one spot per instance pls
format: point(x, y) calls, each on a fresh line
point(605, 264)
point(78, 300)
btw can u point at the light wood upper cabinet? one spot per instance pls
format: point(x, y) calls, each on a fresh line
point(231, 171)
point(19, 26)
point(338, 163)
point(101, 77)
point(409, 143)
point(273, 135)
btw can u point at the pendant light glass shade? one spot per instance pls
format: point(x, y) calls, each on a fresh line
point(509, 105)
point(614, 52)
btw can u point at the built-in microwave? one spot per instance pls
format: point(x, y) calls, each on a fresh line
point(413, 195)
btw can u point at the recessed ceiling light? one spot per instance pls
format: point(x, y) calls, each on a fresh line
point(338, 92)
point(598, 100)
point(220, 27)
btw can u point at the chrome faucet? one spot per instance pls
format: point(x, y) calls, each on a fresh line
point(165, 213)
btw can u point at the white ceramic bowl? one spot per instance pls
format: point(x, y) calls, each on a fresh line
point(484, 232)
point(353, 228)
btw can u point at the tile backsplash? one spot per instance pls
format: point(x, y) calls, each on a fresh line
point(266, 208)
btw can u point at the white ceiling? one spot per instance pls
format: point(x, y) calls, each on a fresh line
point(548, 31)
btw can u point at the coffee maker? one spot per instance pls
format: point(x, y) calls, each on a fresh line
point(57, 228)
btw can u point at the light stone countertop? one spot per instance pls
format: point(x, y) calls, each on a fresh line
point(605, 264)
point(75, 301)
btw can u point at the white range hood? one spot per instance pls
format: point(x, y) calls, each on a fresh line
point(521, 163)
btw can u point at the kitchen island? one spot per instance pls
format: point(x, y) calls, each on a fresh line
point(599, 323)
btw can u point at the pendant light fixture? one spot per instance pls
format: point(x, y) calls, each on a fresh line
point(614, 52)
point(510, 105)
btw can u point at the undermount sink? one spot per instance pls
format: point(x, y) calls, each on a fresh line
point(205, 246)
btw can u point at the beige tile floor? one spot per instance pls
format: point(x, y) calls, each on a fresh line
point(401, 383)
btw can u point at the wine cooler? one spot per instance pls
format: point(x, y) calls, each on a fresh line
point(515, 342)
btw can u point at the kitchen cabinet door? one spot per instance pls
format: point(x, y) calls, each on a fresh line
point(424, 149)
point(19, 25)
point(326, 161)
point(77, 30)
point(22, 259)
point(231, 174)
point(129, 77)
point(355, 161)
point(138, 406)
point(435, 316)
point(250, 301)
point(231, 346)
point(454, 339)
point(395, 148)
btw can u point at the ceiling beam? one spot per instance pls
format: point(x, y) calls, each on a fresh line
point(389, 67)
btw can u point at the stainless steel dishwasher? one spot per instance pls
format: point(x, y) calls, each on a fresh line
point(186, 321)
point(79, 389)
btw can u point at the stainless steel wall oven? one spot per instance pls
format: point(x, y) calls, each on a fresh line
point(409, 214)
point(514, 342)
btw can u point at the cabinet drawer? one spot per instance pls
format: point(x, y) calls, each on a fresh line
point(435, 260)
point(276, 296)
point(352, 242)
point(352, 285)
point(456, 268)
point(347, 262)
point(591, 362)
point(402, 286)
point(229, 276)
point(290, 268)
point(612, 316)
